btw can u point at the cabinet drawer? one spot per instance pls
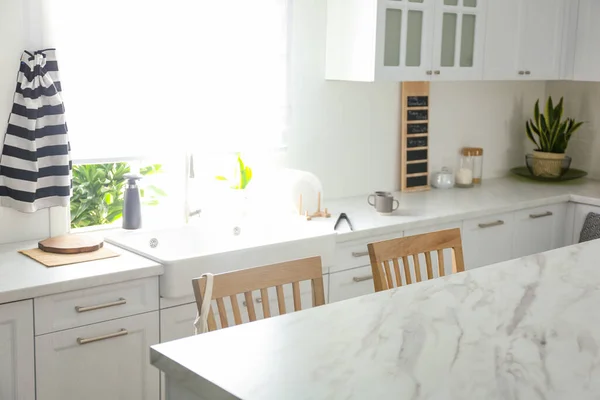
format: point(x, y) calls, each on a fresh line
point(487, 240)
point(539, 229)
point(345, 285)
point(355, 254)
point(102, 303)
point(109, 360)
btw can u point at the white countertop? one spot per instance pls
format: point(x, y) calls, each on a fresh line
point(443, 206)
point(24, 278)
point(522, 329)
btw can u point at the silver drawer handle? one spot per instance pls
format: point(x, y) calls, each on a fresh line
point(362, 278)
point(122, 332)
point(491, 224)
point(358, 254)
point(119, 302)
point(259, 300)
point(546, 214)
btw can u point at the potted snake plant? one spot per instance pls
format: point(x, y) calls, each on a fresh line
point(551, 135)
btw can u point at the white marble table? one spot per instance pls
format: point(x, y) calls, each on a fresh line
point(522, 329)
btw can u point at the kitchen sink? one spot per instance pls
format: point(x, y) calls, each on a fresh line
point(189, 251)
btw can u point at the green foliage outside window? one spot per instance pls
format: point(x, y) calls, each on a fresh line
point(98, 192)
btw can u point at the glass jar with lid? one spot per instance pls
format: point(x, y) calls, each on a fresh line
point(464, 174)
point(476, 153)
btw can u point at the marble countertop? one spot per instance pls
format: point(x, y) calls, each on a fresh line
point(522, 329)
point(443, 206)
point(23, 278)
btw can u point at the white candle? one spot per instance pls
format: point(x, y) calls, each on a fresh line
point(464, 176)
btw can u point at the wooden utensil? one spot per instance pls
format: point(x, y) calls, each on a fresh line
point(71, 244)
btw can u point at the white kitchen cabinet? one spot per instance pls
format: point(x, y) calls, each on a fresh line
point(539, 229)
point(524, 40)
point(459, 39)
point(17, 380)
point(405, 40)
point(487, 240)
point(581, 213)
point(108, 360)
point(352, 283)
point(587, 54)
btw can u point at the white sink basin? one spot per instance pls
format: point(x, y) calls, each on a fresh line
point(189, 251)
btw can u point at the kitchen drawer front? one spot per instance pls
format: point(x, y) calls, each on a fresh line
point(355, 254)
point(487, 240)
point(109, 360)
point(539, 229)
point(355, 282)
point(102, 303)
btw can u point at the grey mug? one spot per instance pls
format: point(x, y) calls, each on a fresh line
point(383, 202)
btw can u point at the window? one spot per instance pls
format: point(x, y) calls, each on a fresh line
point(149, 77)
point(154, 80)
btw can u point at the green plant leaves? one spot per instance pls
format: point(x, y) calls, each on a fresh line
point(98, 192)
point(242, 175)
point(548, 131)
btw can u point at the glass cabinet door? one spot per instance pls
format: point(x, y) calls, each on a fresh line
point(459, 39)
point(407, 28)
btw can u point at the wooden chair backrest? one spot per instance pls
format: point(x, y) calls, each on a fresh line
point(245, 281)
point(387, 276)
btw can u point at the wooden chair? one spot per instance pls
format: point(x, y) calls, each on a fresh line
point(382, 253)
point(232, 284)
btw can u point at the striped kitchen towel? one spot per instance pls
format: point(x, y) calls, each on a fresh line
point(35, 163)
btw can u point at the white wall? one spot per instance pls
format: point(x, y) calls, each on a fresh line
point(348, 133)
point(582, 102)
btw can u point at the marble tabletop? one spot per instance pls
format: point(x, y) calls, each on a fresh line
point(523, 329)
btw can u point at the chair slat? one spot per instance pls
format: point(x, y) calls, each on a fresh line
point(429, 265)
point(441, 268)
point(250, 306)
point(407, 276)
point(397, 272)
point(381, 253)
point(222, 313)
point(264, 296)
point(280, 299)
point(318, 292)
point(417, 267)
point(237, 315)
point(388, 274)
point(296, 292)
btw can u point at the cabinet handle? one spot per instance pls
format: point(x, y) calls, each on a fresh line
point(362, 278)
point(491, 224)
point(259, 300)
point(546, 214)
point(437, 72)
point(122, 332)
point(119, 302)
point(527, 72)
point(357, 254)
point(521, 72)
point(429, 72)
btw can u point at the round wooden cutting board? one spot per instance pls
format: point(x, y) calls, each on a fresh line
point(71, 244)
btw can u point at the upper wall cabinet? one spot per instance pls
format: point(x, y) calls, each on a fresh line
point(524, 39)
point(587, 56)
point(405, 40)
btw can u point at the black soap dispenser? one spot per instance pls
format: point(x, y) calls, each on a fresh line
point(132, 207)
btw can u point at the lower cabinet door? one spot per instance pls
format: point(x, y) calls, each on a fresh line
point(539, 229)
point(355, 282)
point(16, 351)
point(108, 360)
point(487, 240)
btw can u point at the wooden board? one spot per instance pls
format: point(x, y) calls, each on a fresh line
point(71, 244)
point(56, 260)
point(414, 148)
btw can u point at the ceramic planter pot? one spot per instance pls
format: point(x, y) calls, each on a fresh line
point(548, 165)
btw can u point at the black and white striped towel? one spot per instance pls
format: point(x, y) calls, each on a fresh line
point(35, 164)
